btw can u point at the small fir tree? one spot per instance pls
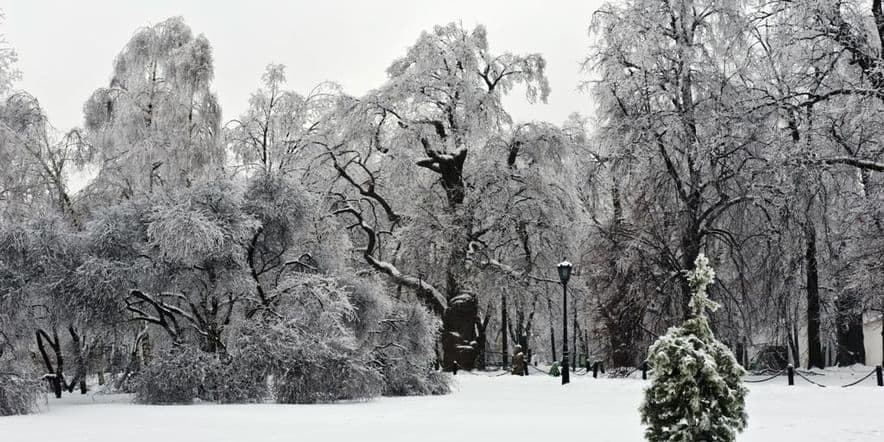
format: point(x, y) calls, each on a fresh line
point(697, 394)
point(554, 369)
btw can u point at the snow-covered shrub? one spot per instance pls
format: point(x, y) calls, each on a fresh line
point(173, 377)
point(697, 394)
point(371, 306)
point(18, 393)
point(554, 369)
point(304, 367)
point(234, 381)
point(404, 348)
point(417, 381)
point(326, 378)
point(184, 373)
point(309, 348)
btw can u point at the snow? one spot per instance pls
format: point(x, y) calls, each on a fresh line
point(504, 408)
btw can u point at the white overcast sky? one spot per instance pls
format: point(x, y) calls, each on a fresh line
point(66, 48)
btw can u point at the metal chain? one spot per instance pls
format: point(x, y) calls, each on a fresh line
point(808, 380)
point(863, 378)
point(758, 381)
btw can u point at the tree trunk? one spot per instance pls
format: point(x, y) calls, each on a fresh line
point(504, 344)
point(690, 250)
point(851, 348)
point(575, 329)
point(814, 345)
point(552, 330)
point(459, 332)
point(459, 335)
point(794, 346)
point(523, 341)
point(146, 349)
point(56, 374)
point(481, 341)
point(80, 359)
point(586, 347)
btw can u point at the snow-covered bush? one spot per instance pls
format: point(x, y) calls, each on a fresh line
point(404, 348)
point(183, 374)
point(308, 347)
point(234, 381)
point(697, 394)
point(326, 377)
point(303, 367)
point(18, 393)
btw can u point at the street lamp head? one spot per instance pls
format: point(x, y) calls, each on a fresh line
point(564, 271)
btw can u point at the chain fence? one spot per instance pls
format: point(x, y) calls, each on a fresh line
point(770, 375)
point(770, 378)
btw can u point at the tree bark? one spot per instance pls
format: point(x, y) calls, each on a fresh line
point(814, 344)
point(482, 340)
point(552, 330)
point(80, 359)
point(459, 332)
point(56, 374)
point(504, 344)
point(690, 246)
point(794, 345)
point(575, 329)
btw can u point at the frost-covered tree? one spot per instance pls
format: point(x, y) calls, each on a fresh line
point(835, 119)
point(248, 282)
point(697, 393)
point(427, 130)
point(271, 135)
point(174, 260)
point(37, 246)
point(157, 122)
point(674, 127)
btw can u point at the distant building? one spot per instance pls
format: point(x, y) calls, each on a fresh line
point(872, 337)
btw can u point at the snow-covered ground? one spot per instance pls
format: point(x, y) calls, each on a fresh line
point(504, 408)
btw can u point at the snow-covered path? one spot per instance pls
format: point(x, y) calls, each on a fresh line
point(502, 408)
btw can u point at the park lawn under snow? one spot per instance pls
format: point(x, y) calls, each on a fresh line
point(482, 407)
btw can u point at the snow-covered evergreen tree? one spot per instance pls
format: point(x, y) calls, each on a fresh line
point(697, 394)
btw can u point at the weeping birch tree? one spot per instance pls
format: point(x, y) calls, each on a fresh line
point(157, 122)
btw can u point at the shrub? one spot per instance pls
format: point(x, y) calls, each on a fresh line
point(308, 365)
point(404, 348)
point(554, 369)
point(18, 394)
point(326, 378)
point(415, 382)
point(182, 374)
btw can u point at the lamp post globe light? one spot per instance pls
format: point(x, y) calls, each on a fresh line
point(564, 268)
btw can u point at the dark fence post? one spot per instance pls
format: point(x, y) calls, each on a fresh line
point(595, 370)
point(880, 376)
point(645, 370)
point(790, 371)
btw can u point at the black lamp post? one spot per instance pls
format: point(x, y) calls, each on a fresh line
point(565, 274)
